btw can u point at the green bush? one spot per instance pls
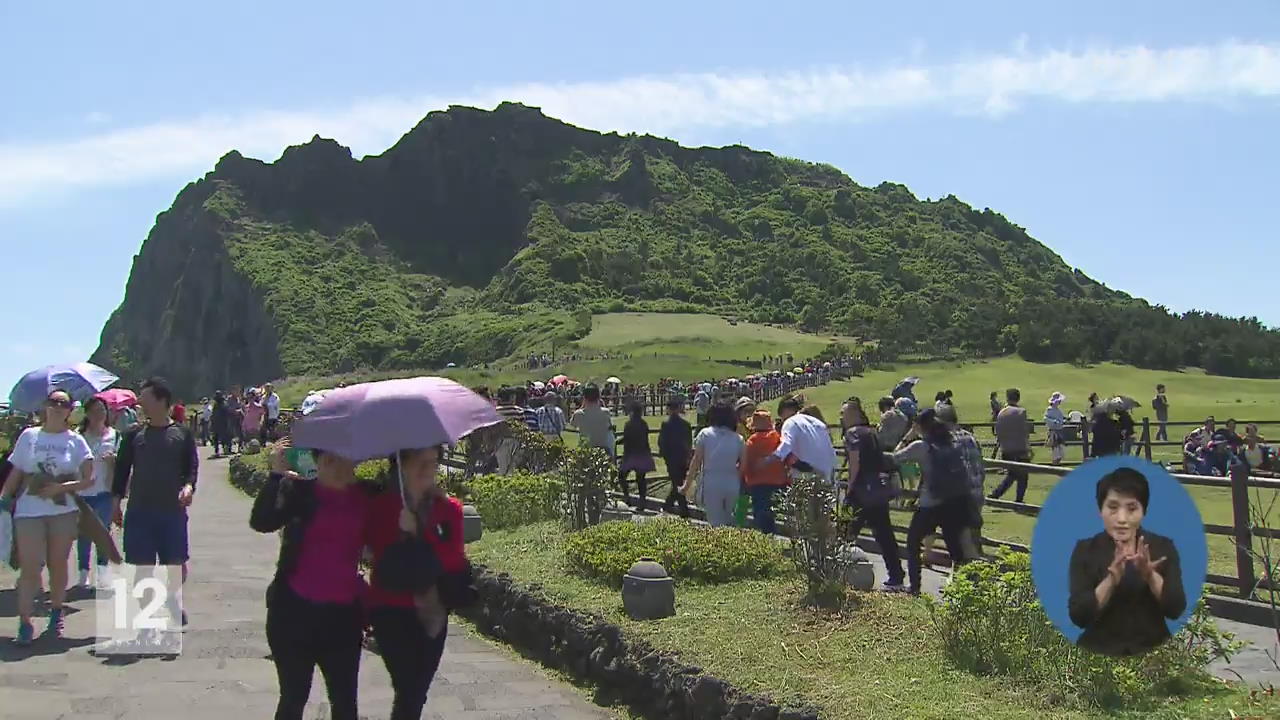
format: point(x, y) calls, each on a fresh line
point(688, 551)
point(991, 622)
point(508, 501)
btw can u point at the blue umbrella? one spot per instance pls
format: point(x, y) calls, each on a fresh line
point(79, 380)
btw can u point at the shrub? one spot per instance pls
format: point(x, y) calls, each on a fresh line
point(508, 501)
point(819, 549)
point(991, 622)
point(584, 472)
point(691, 552)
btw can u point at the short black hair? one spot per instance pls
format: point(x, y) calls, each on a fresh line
point(1125, 481)
point(591, 392)
point(159, 387)
point(794, 403)
point(1013, 394)
point(521, 394)
point(722, 415)
point(886, 402)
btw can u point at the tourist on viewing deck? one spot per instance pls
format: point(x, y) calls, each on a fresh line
point(869, 489)
point(971, 537)
point(714, 473)
point(637, 456)
point(411, 629)
point(550, 416)
point(1161, 405)
point(675, 445)
point(945, 490)
point(1253, 453)
point(49, 462)
point(156, 468)
point(593, 423)
point(762, 481)
point(1054, 424)
point(314, 615)
point(271, 402)
point(1013, 434)
point(893, 424)
point(102, 440)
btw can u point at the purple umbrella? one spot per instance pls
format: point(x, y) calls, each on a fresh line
point(371, 420)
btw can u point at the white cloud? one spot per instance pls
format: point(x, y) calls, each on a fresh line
point(992, 85)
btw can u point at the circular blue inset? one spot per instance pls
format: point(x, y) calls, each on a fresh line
point(1070, 514)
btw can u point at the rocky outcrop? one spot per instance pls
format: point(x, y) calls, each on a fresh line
point(625, 670)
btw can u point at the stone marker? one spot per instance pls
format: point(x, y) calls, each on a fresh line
point(648, 593)
point(472, 525)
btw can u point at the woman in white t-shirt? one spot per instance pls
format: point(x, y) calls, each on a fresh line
point(102, 440)
point(50, 463)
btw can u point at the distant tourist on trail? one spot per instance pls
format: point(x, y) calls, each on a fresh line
point(870, 490)
point(675, 445)
point(271, 402)
point(971, 538)
point(1161, 405)
point(203, 430)
point(1054, 424)
point(806, 443)
point(637, 456)
point(551, 420)
point(764, 480)
point(714, 476)
point(939, 400)
point(593, 423)
point(996, 406)
point(48, 463)
point(893, 424)
point(945, 490)
point(221, 424)
point(103, 441)
point(1013, 435)
point(314, 616)
point(701, 404)
point(251, 419)
point(156, 468)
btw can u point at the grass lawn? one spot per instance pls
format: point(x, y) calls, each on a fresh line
point(877, 660)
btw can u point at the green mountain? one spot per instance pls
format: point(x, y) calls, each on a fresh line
point(481, 233)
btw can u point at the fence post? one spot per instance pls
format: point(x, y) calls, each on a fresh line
point(1146, 436)
point(1243, 528)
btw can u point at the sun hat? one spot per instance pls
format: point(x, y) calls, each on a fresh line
point(761, 421)
point(744, 402)
point(1057, 398)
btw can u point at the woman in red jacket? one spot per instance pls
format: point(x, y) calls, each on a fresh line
point(410, 628)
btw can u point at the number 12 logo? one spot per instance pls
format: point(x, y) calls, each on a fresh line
point(145, 619)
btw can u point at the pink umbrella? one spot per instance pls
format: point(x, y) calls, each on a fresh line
point(559, 379)
point(372, 420)
point(118, 398)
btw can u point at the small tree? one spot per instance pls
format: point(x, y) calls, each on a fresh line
point(585, 474)
point(818, 548)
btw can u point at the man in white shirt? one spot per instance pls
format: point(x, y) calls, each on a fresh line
point(807, 439)
point(272, 403)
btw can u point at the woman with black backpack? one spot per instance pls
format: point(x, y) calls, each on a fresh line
point(869, 489)
point(944, 490)
point(420, 573)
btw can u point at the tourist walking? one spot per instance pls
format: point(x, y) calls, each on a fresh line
point(271, 404)
point(1161, 405)
point(251, 419)
point(869, 489)
point(714, 473)
point(550, 416)
point(1055, 422)
point(1107, 434)
point(675, 445)
point(944, 491)
point(206, 418)
point(414, 517)
point(49, 462)
point(971, 536)
point(806, 443)
point(744, 408)
point(762, 480)
point(314, 617)
point(637, 456)
point(593, 423)
point(996, 407)
point(102, 440)
point(221, 424)
point(1013, 435)
point(156, 469)
point(893, 424)
point(701, 405)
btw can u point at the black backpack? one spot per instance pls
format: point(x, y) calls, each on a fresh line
point(950, 475)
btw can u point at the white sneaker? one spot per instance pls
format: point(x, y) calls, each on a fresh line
point(84, 579)
point(102, 581)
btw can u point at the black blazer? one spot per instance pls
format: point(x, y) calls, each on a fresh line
point(1133, 621)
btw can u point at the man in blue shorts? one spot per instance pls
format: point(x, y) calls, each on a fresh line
point(156, 469)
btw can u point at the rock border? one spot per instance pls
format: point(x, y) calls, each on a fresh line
point(656, 684)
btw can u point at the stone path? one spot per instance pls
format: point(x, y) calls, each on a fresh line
point(223, 671)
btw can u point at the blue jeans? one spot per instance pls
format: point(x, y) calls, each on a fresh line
point(101, 504)
point(762, 507)
point(155, 537)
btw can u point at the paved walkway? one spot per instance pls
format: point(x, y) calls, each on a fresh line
point(223, 671)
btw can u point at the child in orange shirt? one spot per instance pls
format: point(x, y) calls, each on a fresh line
point(763, 482)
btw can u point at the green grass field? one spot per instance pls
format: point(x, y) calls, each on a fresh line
point(692, 347)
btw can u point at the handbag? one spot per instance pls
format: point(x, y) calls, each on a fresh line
point(408, 565)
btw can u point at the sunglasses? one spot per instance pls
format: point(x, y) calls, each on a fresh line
point(58, 403)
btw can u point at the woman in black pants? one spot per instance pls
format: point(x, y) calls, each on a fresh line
point(313, 611)
point(869, 491)
point(410, 627)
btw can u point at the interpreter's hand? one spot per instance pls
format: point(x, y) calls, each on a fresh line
point(1142, 561)
point(1118, 562)
point(186, 495)
point(277, 460)
point(408, 523)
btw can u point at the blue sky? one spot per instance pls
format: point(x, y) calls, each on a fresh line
point(1135, 139)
